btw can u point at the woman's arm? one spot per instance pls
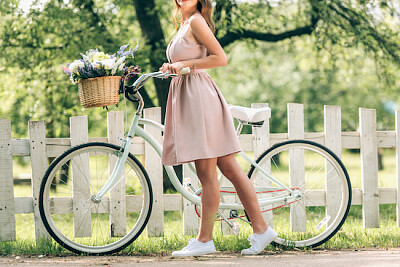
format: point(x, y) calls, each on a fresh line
point(203, 35)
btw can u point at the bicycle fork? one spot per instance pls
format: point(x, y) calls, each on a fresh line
point(120, 164)
point(116, 173)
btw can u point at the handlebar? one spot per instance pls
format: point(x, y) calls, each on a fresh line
point(134, 88)
point(145, 77)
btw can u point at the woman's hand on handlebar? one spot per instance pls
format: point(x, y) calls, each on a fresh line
point(173, 68)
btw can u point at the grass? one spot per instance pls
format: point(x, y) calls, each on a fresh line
point(386, 177)
point(351, 236)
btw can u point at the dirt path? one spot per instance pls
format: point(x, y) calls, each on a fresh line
point(376, 257)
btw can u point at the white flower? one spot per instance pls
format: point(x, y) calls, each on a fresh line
point(108, 63)
point(85, 58)
point(120, 61)
point(96, 65)
point(118, 65)
point(72, 80)
point(73, 67)
point(99, 56)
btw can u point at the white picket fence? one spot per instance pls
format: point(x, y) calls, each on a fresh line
point(39, 148)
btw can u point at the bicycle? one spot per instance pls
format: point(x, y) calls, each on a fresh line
point(104, 198)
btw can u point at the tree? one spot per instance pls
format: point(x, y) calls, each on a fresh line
point(38, 42)
point(53, 33)
point(312, 42)
point(333, 23)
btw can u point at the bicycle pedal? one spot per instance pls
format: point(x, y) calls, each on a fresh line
point(234, 214)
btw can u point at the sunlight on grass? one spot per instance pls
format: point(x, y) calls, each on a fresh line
point(386, 177)
point(352, 235)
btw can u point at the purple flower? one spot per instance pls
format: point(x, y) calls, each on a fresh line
point(122, 48)
point(66, 70)
point(123, 53)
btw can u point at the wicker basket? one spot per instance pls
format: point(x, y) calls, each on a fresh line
point(99, 92)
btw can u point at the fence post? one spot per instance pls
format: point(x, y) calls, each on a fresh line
point(7, 205)
point(80, 178)
point(397, 122)
point(296, 165)
point(369, 168)
point(155, 227)
point(333, 141)
point(39, 164)
point(261, 143)
point(190, 218)
point(115, 132)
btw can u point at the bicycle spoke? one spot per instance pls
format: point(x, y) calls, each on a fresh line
point(96, 216)
point(320, 170)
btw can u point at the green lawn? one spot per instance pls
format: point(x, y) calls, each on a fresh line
point(386, 177)
point(352, 236)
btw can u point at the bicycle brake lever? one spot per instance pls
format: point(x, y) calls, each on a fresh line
point(165, 75)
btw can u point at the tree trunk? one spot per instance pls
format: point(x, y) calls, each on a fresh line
point(151, 29)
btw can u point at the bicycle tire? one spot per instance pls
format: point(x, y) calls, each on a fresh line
point(316, 213)
point(101, 229)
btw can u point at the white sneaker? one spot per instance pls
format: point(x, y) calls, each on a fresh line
point(195, 248)
point(259, 241)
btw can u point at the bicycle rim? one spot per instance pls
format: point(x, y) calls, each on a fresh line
point(78, 222)
point(319, 177)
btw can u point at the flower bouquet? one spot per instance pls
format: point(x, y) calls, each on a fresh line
point(98, 76)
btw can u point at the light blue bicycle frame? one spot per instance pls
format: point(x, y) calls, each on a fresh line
point(135, 129)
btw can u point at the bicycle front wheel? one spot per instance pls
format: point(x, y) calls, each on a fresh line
point(321, 184)
point(83, 224)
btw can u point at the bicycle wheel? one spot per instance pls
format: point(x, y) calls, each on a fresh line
point(321, 183)
point(79, 222)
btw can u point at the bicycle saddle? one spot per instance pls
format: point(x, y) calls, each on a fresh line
point(250, 114)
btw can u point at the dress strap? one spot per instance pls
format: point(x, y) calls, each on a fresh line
point(186, 29)
point(187, 23)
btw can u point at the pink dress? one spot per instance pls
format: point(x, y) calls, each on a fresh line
point(198, 123)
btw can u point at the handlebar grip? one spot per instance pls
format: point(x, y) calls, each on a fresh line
point(184, 70)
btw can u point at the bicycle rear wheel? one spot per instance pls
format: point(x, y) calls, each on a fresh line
point(85, 225)
point(319, 177)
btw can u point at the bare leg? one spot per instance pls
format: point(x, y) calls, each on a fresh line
point(245, 190)
point(207, 173)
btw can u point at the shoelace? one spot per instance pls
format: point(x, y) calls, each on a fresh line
point(190, 244)
point(252, 240)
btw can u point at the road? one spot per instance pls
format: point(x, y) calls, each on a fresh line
point(375, 257)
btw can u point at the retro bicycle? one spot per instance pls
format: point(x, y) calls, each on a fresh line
point(104, 197)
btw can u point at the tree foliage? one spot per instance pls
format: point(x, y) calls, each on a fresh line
point(310, 51)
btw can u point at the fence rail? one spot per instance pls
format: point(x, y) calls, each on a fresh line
point(40, 148)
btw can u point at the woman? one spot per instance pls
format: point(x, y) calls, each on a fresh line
point(199, 126)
